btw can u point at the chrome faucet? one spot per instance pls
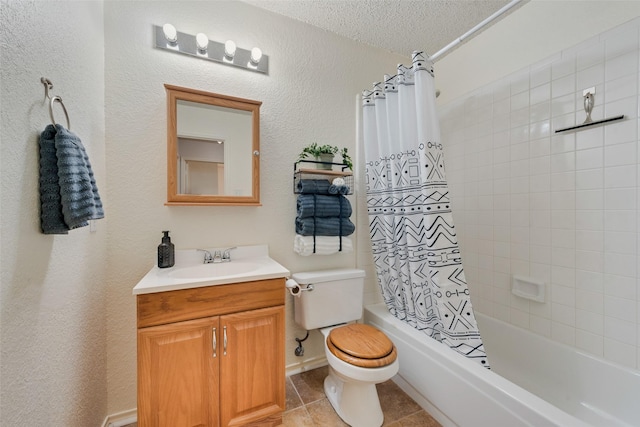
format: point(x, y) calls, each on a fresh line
point(208, 258)
point(223, 255)
point(226, 254)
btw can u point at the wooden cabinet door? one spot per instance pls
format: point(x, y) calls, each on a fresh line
point(178, 374)
point(252, 379)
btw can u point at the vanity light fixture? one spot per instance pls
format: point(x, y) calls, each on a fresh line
point(199, 46)
point(256, 55)
point(229, 49)
point(170, 34)
point(202, 41)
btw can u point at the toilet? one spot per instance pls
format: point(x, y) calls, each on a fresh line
point(359, 356)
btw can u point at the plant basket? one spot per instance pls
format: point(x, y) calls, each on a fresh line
point(325, 161)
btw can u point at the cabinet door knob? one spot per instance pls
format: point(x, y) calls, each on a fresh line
point(214, 343)
point(224, 349)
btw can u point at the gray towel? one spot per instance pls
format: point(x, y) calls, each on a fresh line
point(313, 186)
point(323, 206)
point(68, 193)
point(320, 186)
point(80, 199)
point(338, 189)
point(324, 226)
point(51, 217)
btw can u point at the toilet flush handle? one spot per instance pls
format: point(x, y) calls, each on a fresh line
point(295, 288)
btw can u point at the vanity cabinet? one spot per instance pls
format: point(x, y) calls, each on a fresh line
point(212, 356)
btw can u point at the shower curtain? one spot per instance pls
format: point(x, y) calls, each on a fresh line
point(415, 250)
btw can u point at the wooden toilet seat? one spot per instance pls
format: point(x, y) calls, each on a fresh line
point(361, 345)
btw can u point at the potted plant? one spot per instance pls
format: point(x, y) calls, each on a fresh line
point(325, 153)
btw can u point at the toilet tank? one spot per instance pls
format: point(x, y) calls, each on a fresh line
point(337, 297)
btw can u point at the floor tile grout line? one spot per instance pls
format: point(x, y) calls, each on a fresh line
point(300, 397)
point(411, 415)
point(297, 393)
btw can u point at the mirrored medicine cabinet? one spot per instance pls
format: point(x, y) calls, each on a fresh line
point(213, 148)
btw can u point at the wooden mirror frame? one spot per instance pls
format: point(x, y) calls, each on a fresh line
point(176, 93)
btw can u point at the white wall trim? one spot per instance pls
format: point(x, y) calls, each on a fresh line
point(121, 418)
point(307, 365)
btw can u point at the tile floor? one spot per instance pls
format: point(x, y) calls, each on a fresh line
point(307, 405)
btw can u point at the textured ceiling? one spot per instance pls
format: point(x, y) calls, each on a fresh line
point(399, 26)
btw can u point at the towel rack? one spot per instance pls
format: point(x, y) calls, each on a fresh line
point(48, 85)
point(310, 169)
point(589, 101)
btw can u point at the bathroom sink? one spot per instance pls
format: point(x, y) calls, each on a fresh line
point(203, 271)
point(248, 264)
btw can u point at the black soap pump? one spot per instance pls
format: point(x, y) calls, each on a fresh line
point(166, 252)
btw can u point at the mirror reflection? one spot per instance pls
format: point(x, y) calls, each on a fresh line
point(213, 148)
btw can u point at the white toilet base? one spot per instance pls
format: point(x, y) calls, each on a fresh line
point(355, 402)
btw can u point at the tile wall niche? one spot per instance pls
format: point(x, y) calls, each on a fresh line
point(560, 208)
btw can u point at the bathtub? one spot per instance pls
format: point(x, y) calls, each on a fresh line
point(528, 385)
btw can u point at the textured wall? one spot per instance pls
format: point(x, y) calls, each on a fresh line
point(52, 301)
point(309, 95)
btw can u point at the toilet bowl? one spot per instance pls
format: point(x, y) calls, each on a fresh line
point(351, 389)
point(359, 356)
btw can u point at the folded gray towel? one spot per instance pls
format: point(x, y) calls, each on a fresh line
point(338, 189)
point(79, 193)
point(313, 186)
point(51, 217)
point(322, 206)
point(324, 226)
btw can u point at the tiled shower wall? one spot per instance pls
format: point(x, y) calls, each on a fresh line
point(560, 208)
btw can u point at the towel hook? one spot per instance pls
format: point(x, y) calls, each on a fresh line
point(589, 101)
point(48, 85)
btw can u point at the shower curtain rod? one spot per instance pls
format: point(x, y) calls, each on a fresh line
point(475, 29)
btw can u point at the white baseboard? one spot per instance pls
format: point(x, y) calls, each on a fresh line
point(306, 365)
point(121, 418)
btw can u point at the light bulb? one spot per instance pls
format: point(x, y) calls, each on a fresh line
point(229, 48)
point(170, 33)
point(256, 55)
point(202, 41)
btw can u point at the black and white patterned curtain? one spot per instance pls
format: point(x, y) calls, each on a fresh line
point(415, 248)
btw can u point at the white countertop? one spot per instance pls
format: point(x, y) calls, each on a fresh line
point(248, 263)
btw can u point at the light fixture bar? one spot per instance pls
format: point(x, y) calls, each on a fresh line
point(186, 44)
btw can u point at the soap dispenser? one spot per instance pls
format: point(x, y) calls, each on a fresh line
point(166, 252)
